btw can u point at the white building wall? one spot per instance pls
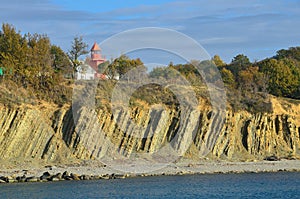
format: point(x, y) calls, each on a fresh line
point(87, 74)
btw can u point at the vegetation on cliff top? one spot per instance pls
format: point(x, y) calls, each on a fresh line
point(32, 69)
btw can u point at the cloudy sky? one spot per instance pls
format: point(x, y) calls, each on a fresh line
point(256, 28)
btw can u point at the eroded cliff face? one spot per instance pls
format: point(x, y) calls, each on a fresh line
point(30, 133)
point(58, 135)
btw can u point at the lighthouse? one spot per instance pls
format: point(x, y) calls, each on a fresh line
point(96, 57)
point(92, 72)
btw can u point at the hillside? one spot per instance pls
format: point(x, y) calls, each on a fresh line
point(171, 112)
point(46, 133)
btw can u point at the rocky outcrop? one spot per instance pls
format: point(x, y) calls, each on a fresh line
point(256, 136)
point(63, 134)
point(28, 133)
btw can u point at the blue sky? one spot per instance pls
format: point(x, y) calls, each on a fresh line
point(105, 6)
point(256, 28)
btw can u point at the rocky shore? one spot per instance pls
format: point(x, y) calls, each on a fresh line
point(90, 172)
point(48, 177)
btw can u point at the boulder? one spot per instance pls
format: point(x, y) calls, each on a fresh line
point(31, 179)
point(272, 158)
point(3, 178)
point(58, 176)
point(68, 178)
point(54, 179)
point(112, 176)
point(65, 174)
point(75, 176)
point(11, 179)
point(85, 177)
point(46, 175)
point(105, 177)
point(21, 178)
point(119, 176)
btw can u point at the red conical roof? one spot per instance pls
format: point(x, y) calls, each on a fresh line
point(95, 47)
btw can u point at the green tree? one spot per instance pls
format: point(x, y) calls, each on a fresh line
point(122, 65)
point(27, 61)
point(291, 53)
point(157, 72)
point(78, 48)
point(238, 63)
point(13, 52)
point(60, 61)
point(228, 77)
point(283, 76)
point(39, 71)
point(252, 80)
point(218, 61)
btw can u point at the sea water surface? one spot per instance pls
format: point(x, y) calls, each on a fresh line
point(254, 185)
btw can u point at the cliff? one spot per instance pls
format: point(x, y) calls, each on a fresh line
point(47, 133)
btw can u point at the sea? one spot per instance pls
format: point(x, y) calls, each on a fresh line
point(247, 185)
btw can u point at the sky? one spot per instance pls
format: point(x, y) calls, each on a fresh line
point(256, 28)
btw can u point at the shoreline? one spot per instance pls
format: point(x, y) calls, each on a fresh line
point(90, 172)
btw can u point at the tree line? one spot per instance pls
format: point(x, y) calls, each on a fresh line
point(278, 75)
point(31, 61)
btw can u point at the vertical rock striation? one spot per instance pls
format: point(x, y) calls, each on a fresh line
point(53, 134)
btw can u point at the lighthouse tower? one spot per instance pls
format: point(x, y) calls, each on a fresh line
point(96, 57)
